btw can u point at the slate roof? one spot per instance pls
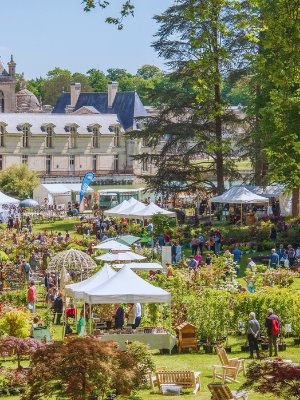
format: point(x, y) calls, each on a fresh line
point(127, 105)
point(39, 121)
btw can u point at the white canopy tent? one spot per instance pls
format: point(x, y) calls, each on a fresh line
point(126, 287)
point(239, 195)
point(122, 206)
point(152, 209)
point(112, 245)
point(140, 266)
point(128, 256)
point(132, 210)
point(54, 192)
point(8, 205)
point(76, 290)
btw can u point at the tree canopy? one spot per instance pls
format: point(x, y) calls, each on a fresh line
point(18, 181)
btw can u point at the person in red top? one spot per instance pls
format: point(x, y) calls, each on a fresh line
point(31, 297)
point(167, 240)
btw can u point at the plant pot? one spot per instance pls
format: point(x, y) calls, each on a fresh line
point(22, 390)
point(297, 341)
point(4, 391)
point(245, 347)
point(228, 349)
point(264, 346)
point(208, 349)
point(281, 346)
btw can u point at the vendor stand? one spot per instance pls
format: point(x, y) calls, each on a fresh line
point(128, 287)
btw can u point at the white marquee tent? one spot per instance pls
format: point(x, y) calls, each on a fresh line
point(152, 209)
point(112, 245)
point(7, 206)
point(127, 256)
point(126, 287)
point(239, 195)
point(132, 210)
point(76, 290)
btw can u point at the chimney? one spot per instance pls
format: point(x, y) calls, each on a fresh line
point(47, 109)
point(12, 68)
point(112, 91)
point(75, 92)
point(69, 109)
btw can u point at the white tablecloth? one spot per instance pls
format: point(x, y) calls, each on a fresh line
point(154, 340)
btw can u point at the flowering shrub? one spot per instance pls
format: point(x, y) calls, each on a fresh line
point(15, 377)
point(15, 322)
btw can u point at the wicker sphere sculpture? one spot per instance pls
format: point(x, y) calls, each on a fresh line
point(72, 260)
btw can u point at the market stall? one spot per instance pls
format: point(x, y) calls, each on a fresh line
point(128, 287)
point(120, 207)
point(241, 196)
point(8, 206)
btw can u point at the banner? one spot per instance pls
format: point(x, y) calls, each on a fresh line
point(85, 184)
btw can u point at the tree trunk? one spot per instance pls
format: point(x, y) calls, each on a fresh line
point(295, 202)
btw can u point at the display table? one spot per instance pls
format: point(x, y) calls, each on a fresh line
point(154, 340)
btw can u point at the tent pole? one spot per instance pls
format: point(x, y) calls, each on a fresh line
point(170, 327)
point(241, 214)
point(161, 319)
point(75, 314)
point(84, 314)
point(90, 319)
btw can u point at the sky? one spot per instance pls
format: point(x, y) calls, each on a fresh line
point(45, 34)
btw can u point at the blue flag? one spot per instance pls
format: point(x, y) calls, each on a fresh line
point(85, 184)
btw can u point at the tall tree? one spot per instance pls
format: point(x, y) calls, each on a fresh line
point(148, 71)
point(198, 40)
point(97, 80)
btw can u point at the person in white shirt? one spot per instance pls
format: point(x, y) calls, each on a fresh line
point(298, 253)
point(138, 315)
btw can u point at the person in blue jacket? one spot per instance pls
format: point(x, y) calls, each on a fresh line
point(119, 317)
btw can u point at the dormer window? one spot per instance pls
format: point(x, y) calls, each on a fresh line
point(145, 143)
point(2, 133)
point(73, 132)
point(25, 136)
point(95, 137)
point(49, 136)
point(117, 137)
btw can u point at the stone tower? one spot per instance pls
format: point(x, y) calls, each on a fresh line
point(8, 83)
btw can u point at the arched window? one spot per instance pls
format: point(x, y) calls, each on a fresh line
point(73, 136)
point(95, 136)
point(2, 132)
point(49, 131)
point(25, 136)
point(1, 101)
point(117, 137)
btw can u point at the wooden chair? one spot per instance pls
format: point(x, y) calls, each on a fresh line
point(180, 378)
point(230, 367)
point(222, 392)
point(187, 336)
point(152, 378)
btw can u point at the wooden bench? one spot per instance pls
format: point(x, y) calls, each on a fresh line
point(151, 378)
point(222, 392)
point(180, 378)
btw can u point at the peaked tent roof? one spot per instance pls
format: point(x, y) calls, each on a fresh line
point(113, 211)
point(126, 287)
point(4, 199)
point(132, 210)
point(152, 209)
point(76, 289)
point(126, 256)
point(147, 266)
point(268, 191)
point(240, 195)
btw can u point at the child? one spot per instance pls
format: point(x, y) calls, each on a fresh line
point(35, 321)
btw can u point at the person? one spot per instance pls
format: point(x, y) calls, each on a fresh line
point(47, 281)
point(26, 270)
point(291, 255)
point(35, 321)
point(60, 238)
point(31, 297)
point(33, 262)
point(131, 315)
point(192, 263)
point(138, 315)
point(208, 259)
point(178, 252)
point(119, 316)
point(67, 237)
point(252, 333)
point(198, 258)
point(217, 242)
point(150, 227)
point(58, 307)
point(173, 252)
point(250, 283)
point(167, 239)
point(237, 257)
point(273, 326)
point(169, 268)
point(161, 240)
point(298, 252)
point(273, 234)
point(201, 243)
point(183, 214)
point(274, 259)
point(282, 254)
point(195, 243)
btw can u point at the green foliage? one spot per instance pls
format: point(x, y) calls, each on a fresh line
point(142, 356)
point(148, 71)
point(15, 323)
point(162, 223)
point(18, 181)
